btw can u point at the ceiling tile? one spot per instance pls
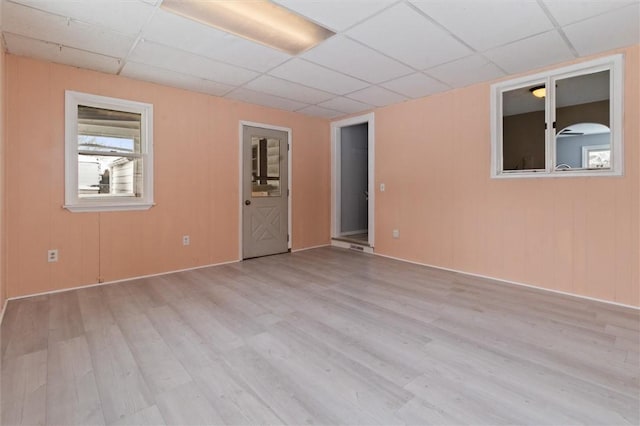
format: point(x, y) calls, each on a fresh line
point(187, 63)
point(312, 75)
point(345, 105)
point(531, 53)
point(377, 96)
point(385, 43)
point(567, 12)
point(175, 31)
point(32, 23)
point(466, 71)
point(336, 15)
point(409, 37)
point(352, 58)
point(617, 28)
point(23, 46)
point(487, 23)
point(258, 98)
point(286, 89)
point(173, 79)
point(123, 16)
point(416, 85)
point(317, 111)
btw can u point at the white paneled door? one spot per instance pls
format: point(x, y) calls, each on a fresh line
point(265, 192)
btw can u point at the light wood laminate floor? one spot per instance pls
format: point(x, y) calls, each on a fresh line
point(324, 336)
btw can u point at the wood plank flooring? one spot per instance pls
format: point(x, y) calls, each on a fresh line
point(325, 336)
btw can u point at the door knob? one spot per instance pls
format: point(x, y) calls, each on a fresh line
point(247, 202)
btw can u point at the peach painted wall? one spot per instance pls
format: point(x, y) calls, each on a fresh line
point(3, 286)
point(196, 182)
point(577, 235)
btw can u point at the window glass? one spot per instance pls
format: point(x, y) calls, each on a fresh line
point(109, 162)
point(523, 128)
point(265, 161)
point(582, 121)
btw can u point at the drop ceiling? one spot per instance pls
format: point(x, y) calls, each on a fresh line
point(384, 51)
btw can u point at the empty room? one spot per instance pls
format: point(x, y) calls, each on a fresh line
point(329, 212)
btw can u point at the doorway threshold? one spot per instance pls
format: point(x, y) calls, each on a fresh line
point(352, 244)
point(362, 239)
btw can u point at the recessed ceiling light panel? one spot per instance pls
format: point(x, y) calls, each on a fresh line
point(257, 20)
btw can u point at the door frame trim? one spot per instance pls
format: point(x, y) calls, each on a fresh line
point(336, 126)
point(243, 123)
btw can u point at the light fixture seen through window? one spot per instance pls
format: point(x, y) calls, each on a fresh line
point(258, 20)
point(538, 91)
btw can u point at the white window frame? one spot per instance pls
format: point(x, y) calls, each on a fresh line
point(615, 65)
point(75, 203)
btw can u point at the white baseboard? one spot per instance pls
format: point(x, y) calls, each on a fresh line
point(4, 308)
point(130, 279)
point(139, 277)
point(471, 274)
point(310, 248)
point(334, 243)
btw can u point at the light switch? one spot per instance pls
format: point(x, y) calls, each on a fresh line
point(382, 187)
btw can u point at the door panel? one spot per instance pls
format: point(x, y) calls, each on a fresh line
point(265, 219)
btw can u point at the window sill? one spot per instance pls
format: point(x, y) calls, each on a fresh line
point(557, 174)
point(107, 207)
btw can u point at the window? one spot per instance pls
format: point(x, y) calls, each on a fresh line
point(265, 163)
point(565, 122)
point(109, 153)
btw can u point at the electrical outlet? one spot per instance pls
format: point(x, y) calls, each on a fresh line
point(52, 255)
point(186, 240)
point(396, 233)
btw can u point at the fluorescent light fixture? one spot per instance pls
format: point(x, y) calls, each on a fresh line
point(538, 91)
point(257, 20)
